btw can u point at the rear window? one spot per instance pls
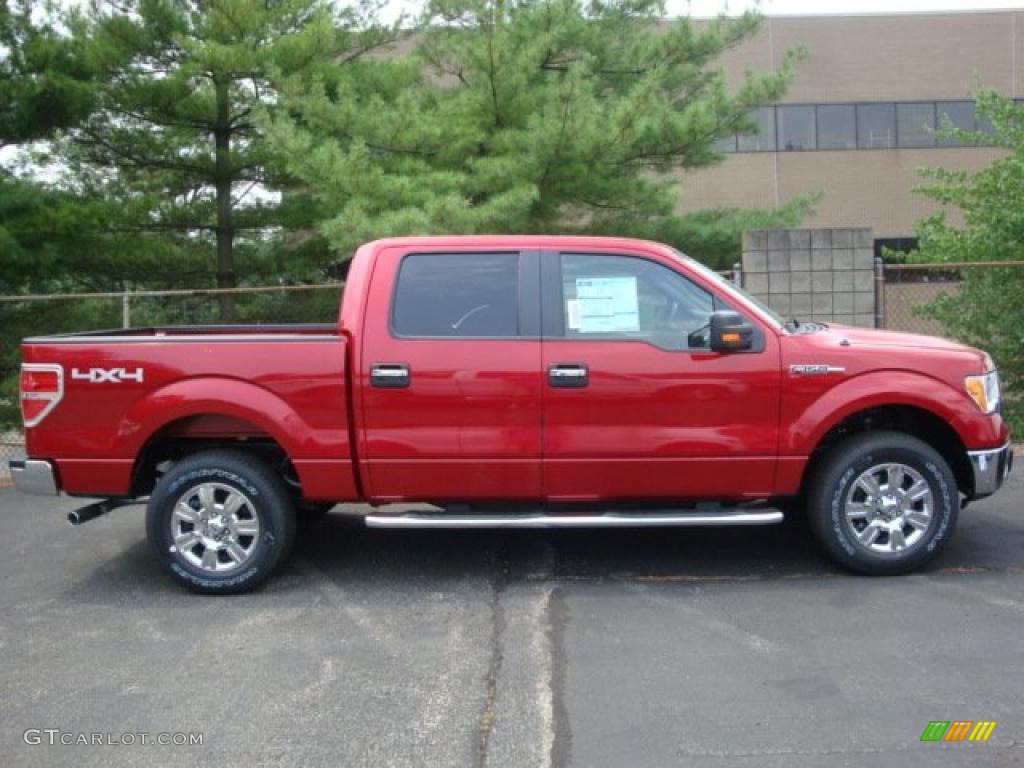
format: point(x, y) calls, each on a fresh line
point(457, 295)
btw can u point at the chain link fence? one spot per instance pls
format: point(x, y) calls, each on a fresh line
point(12, 445)
point(909, 289)
point(980, 301)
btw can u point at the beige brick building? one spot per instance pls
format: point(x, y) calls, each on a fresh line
point(857, 120)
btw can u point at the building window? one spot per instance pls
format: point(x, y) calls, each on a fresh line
point(983, 124)
point(959, 115)
point(837, 126)
point(726, 144)
point(764, 139)
point(870, 125)
point(796, 128)
point(915, 124)
point(876, 126)
point(901, 244)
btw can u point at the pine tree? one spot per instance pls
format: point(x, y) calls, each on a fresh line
point(44, 87)
point(522, 116)
point(172, 152)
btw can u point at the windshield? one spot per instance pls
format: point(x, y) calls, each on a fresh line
point(730, 286)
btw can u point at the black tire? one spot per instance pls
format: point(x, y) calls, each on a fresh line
point(831, 484)
point(268, 499)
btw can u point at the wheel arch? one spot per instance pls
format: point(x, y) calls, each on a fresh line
point(185, 436)
point(914, 420)
point(206, 413)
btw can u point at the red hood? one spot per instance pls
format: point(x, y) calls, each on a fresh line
point(861, 350)
point(873, 337)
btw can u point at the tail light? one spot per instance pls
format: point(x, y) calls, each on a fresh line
point(42, 387)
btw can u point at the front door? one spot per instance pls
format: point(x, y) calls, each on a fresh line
point(451, 376)
point(635, 404)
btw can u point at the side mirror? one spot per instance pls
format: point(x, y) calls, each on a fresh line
point(730, 332)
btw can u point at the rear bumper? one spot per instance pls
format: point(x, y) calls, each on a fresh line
point(34, 476)
point(991, 468)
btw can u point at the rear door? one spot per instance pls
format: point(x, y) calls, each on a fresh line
point(635, 404)
point(451, 376)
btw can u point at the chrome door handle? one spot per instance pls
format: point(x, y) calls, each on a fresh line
point(568, 375)
point(389, 375)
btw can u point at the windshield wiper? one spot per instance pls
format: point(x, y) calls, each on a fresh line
point(792, 324)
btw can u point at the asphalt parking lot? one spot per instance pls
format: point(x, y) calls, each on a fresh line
point(618, 649)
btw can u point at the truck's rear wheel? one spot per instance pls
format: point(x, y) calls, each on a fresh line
point(220, 521)
point(883, 503)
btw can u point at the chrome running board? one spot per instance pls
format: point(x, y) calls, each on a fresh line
point(763, 516)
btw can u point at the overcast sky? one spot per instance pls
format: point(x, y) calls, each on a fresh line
point(804, 7)
point(704, 8)
point(790, 7)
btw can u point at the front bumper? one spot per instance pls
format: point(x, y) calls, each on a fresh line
point(34, 476)
point(991, 468)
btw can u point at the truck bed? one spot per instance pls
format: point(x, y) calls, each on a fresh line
point(125, 390)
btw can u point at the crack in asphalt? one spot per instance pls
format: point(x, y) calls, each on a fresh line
point(558, 618)
point(545, 653)
point(485, 722)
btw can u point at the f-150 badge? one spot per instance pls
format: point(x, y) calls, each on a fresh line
point(815, 370)
point(104, 375)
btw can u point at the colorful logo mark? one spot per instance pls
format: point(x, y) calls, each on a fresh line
point(958, 730)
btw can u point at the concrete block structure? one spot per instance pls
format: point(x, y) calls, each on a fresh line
point(822, 274)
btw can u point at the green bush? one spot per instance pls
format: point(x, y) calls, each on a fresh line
point(988, 311)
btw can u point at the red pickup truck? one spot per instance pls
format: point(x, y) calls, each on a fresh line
point(516, 382)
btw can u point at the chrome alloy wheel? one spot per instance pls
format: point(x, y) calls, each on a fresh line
point(889, 508)
point(215, 527)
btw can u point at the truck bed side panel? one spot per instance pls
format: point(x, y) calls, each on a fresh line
point(292, 389)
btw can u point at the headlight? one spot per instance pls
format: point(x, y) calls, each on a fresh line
point(984, 390)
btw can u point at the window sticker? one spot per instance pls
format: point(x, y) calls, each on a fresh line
point(606, 305)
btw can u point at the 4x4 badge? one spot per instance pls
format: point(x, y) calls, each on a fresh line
point(103, 375)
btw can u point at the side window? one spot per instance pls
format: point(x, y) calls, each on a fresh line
point(457, 295)
point(620, 297)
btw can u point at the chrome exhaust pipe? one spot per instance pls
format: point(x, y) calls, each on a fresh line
point(96, 509)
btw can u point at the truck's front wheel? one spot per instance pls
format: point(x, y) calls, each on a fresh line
point(883, 503)
point(220, 522)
